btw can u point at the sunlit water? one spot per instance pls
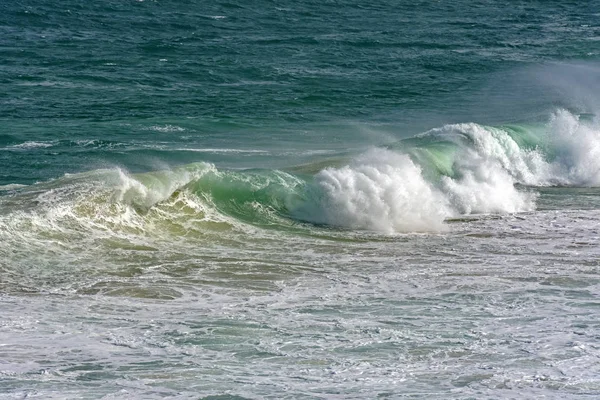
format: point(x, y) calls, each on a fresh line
point(289, 200)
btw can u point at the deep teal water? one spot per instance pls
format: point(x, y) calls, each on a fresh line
point(100, 79)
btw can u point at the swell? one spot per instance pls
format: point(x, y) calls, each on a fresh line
point(413, 185)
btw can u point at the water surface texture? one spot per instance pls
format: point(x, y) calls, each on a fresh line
point(299, 200)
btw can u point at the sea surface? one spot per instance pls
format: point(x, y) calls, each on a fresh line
point(299, 199)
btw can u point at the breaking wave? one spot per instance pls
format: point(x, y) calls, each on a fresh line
point(414, 185)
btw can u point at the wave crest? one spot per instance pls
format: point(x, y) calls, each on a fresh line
point(414, 185)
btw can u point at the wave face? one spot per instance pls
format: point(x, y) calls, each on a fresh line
point(413, 185)
point(457, 170)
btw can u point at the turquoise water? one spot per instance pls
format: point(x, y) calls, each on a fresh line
point(299, 200)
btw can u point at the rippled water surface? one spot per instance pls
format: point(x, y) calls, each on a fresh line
point(299, 200)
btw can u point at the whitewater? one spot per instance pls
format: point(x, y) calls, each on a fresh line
point(299, 200)
point(435, 264)
point(414, 185)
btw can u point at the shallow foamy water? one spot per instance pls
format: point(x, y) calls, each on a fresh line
point(497, 306)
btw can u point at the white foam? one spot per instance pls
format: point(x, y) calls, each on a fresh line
point(166, 128)
point(148, 189)
point(222, 150)
point(32, 145)
point(487, 170)
point(105, 204)
point(486, 188)
point(380, 190)
point(12, 186)
point(493, 145)
point(386, 191)
point(577, 147)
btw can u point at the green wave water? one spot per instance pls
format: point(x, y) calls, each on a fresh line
point(396, 182)
point(299, 200)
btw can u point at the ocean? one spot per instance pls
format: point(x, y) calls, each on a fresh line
point(299, 199)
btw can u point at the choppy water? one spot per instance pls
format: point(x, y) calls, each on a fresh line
point(283, 200)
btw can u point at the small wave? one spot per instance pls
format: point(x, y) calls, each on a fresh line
point(97, 143)
point(222, 150)
point(12, 186)
point(31, 145)
point(166, 128)
point(308, 152)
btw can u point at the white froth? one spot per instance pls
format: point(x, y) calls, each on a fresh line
point(149, 189)
point(386, 191)
point(486, 188)
point(31, 145)
point(382, 191)
point(487, 172)
point(166, 128)
point(577, 145)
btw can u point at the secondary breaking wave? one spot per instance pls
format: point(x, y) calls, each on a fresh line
point(414, 185)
